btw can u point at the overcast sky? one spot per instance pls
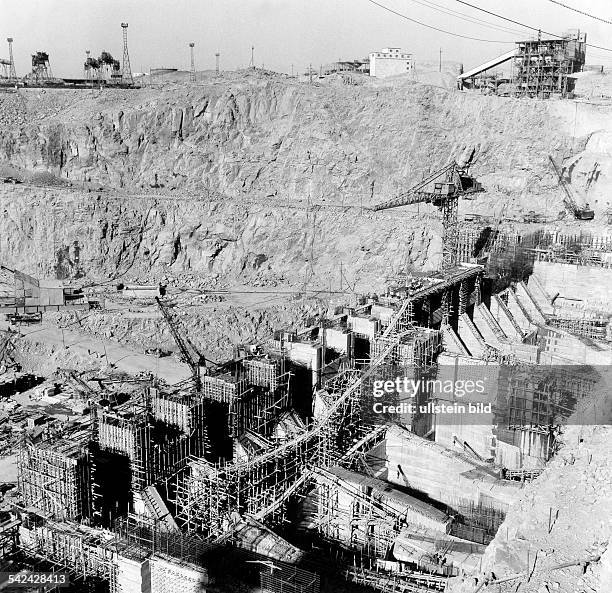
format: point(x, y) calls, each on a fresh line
point(284, 32)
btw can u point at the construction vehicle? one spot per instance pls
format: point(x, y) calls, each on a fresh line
point(157, 352)
point(15, 318)
point(533, 217)
point(579, 213)
point(445, 196)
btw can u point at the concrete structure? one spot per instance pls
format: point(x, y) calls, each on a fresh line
point(449, 477)
point(390, 61)
point(30, 295)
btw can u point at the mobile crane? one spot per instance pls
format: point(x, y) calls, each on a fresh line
point(584, 213)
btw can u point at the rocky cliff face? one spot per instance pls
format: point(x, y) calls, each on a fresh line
point(261, 135)
point(214, 149)
point(66, 234)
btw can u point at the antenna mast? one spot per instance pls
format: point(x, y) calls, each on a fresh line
point(12, 73)
point(126, 73)
point(192, 74)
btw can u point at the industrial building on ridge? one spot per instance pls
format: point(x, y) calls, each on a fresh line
point(541, 67)
point(390, 61)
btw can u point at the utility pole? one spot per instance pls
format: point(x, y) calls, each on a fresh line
point(12, 73)
point(126, 73)
point(310, 74)
point(217, 63)
point(192, 74)
point(291, 70)
point(440, 66)
point(252, 64)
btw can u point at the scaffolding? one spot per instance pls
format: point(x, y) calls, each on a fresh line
point(54, 477)
point(211, 497)
point(254, 396)
point(543, 66)
point(185, 412)
point(72, 547)
point(360, 512)
point(594, 329)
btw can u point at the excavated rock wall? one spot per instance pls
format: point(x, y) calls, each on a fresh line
point(67, 234)
point(265, 139)
point(257, 136)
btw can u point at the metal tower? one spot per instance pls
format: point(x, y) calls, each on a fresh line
point(126, 73)
point(41, 69)
point(192, 74)
point(217, 63)
point(87, 65)
point(12, 73)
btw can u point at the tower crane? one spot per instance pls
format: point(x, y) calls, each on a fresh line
point(445, 196)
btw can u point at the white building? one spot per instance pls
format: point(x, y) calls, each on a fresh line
point(390, 61)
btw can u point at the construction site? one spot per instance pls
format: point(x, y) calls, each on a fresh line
point(292, 335)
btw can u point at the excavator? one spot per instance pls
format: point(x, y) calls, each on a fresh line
point(584, 213)
point(444, 194)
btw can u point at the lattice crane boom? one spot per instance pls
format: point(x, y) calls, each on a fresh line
point(445, 196)
point(584, 213)
point(190, 354)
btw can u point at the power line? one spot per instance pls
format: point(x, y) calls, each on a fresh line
point(505, 18)
point(432, 27)
point(581, 12)
point(465, 17)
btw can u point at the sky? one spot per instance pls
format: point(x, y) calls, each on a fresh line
point(283, 32)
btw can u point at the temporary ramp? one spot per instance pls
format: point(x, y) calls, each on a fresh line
point(490, 64)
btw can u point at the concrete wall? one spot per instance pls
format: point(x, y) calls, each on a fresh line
point(442, 474)
point(505, 319)
point(339, 340)
point(489, 328)
point(563, 348)
point(591, 284)
point(540, 294)
point(308, 355)
point(471, 337)
point(383, 313)
point(364, 326)
point(133, 575)
point(518, 312)
point(529, 304)
point(170, 576)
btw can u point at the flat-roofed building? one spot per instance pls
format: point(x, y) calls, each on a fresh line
point(390, 61)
